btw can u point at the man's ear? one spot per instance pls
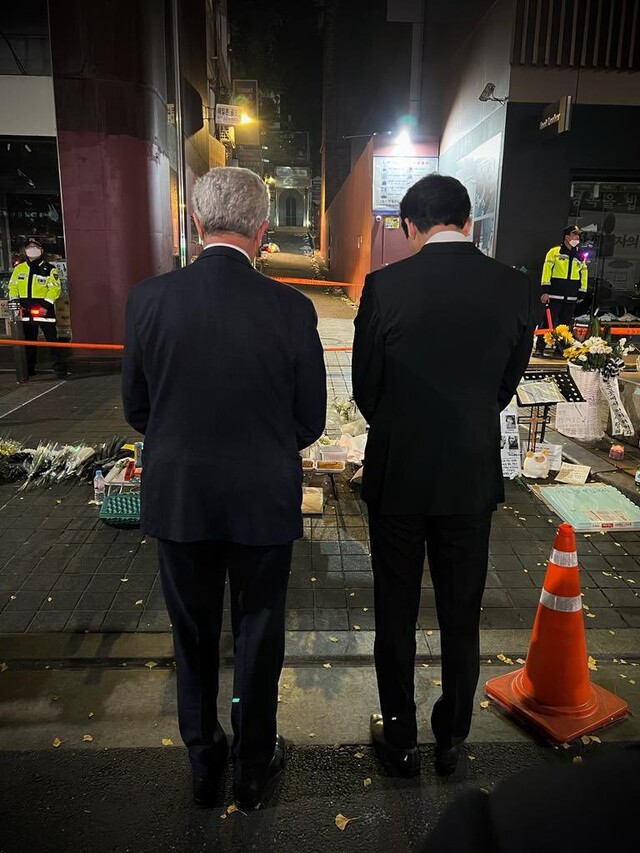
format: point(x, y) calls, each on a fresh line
point(262, 230)
point(466, 228)
point(412, 231)
point(199, 227)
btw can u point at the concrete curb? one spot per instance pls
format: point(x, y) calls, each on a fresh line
point(303, 647)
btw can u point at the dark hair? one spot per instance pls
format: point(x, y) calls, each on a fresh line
point(435, 200)
point(570, 229)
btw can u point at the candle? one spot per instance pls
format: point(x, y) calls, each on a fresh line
point(617, 451)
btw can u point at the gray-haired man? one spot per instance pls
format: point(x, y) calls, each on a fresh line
point(224, 374)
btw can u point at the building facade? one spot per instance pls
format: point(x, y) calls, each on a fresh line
point(552, 139)
point(111, 122)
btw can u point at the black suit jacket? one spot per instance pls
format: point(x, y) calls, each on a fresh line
point(589, 807)
point(223, 373)
point(442, 340)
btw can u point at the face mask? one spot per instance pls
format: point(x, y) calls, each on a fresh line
point(573, 242)
point(33, 252)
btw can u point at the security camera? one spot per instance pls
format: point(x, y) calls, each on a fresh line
point(487, 94)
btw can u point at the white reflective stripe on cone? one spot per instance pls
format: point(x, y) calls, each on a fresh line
point(564, 603)
point(568, 559)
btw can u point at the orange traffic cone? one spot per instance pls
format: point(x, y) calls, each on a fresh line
point(552, 692)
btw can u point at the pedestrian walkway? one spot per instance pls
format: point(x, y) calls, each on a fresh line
point(62, 570)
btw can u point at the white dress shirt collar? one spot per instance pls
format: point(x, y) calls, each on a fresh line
point(448, 237)
point(227, 246)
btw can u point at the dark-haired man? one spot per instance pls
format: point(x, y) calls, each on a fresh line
point(432, 473)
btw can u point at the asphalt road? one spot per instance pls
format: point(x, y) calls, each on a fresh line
point(138, 800)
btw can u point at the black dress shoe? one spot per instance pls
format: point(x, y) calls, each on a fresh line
point(251, 791)
point(446, 760)
point(395, 760)
point(207, 778)
point(206, 789)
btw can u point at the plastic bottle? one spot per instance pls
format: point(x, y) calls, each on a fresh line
point(99, 488)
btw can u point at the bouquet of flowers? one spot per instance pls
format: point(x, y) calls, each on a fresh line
point(595, 353)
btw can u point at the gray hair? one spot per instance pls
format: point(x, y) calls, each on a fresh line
point(230, 199)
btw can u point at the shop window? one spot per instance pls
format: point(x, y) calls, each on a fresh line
point(30, 207)
point(608, 213)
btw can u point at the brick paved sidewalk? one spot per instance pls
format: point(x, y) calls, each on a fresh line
point(62, 570)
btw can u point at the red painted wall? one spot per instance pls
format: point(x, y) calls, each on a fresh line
point(117, 216)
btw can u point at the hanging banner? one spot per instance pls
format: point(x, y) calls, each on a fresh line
point(620, 420)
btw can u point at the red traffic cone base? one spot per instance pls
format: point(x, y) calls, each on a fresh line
point(552, 692)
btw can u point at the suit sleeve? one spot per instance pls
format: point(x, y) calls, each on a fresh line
point(135, 392)
point(368, 352)
point(521, 352)
point(310, 399)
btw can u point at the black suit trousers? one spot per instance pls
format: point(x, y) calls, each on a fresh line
point(457, 548)
point(193, 576)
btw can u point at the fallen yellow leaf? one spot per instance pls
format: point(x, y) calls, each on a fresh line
point(150, 664)
point(520, 661)
point(356, 627)
point(312, 734)
point(166, 741)
point(56, 742)
point(87, 738)
point(359, 755)
point(367, 783)
point(124, 580)
point(586, 740)
point(326, 665)
point(471, 757)
point(425, 665)
point(429, 633)
point(333, 639)
point(577, 759)
point(436, 681)
point(314, 580)
point(566, 746)
point(613, 633)
point(90, 714)
point(594, 739)
point(232, 808)
point(631, 681)
point(592, 664)
point(591, 615)
point(484, 703)
point(341, 821)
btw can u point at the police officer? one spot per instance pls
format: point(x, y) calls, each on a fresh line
point(36, 283)
point(564, 279)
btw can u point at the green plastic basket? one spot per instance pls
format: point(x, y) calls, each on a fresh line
point(121, 510)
